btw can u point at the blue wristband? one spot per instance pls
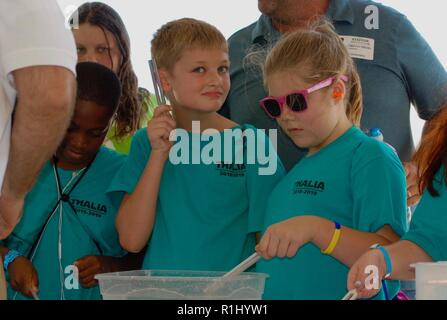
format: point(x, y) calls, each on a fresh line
point(10, 257)
point(389, 267)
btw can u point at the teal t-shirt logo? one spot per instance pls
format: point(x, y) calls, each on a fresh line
point(231, 170)
point(310, 187)
point(89, 207)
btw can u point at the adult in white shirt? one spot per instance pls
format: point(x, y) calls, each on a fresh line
point(37, 93)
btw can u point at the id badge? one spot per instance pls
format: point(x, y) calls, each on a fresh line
point(358, 47)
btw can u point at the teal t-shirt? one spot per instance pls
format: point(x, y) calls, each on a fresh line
point(94, 221)
point(207, 214)
point(356, 181)
point(428, 227)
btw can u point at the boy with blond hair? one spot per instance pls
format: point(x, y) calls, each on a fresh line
point(205, 215)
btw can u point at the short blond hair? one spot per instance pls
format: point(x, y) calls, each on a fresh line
point(319, 53)
point(173, 38)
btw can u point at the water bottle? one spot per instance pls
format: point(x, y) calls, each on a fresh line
point(375, 133)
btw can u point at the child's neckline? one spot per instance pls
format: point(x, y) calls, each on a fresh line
point(331, 145)
point(74, 171)
point(212, 122)
point(212, 129)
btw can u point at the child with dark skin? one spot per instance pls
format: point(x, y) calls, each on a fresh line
point(81, 154)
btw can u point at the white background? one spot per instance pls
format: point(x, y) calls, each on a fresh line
point(143, 17)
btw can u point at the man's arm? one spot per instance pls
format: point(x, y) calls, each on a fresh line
point(424, 74)
point(45, 102)
point(3, 251)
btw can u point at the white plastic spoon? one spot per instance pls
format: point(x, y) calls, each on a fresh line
point(244, 265)
point(241, 267)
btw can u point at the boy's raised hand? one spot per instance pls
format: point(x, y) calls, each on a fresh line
point(23, 276)
point(159, 128)
point(411, 174)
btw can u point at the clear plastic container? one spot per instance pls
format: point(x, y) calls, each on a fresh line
point(431, 280)
point(409, 288)
point(180, 285)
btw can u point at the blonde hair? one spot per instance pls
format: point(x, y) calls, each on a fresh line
point(173, 38)
point(319, 53)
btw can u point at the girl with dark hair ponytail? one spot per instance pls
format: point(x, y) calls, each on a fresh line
point(426, 240)
point(101, 37)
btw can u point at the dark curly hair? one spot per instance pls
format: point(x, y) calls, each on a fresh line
point(131, 110)
point(99, 84)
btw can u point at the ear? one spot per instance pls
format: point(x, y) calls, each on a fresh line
point(339, 90)
point(165, 80)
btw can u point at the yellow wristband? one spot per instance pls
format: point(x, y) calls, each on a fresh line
point(334, 241)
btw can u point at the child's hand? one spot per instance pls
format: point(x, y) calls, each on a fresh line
point(361, 276)
point(23, 276)
point(286, 237)
point(413, 193)
point(159, 129)
point(89, 267)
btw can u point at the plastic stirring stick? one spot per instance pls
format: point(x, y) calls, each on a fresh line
point(351, 295)
point(35, 296)
point(159, 94)
point(158, 89)
point(244, 265)
point(241, 267)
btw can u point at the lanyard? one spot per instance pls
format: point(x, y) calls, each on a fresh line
point(63, 196)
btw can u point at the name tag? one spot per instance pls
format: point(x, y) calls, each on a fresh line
point(358, 47)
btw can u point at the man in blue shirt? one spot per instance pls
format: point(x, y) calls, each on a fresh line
point(396, 65)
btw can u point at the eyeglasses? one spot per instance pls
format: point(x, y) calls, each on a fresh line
point(296, 101)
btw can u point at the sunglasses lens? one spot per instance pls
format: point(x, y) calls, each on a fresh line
point(272, 107)
point(296, 102)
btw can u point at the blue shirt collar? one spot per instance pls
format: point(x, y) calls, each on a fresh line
point(264, 30)
point(339, 10)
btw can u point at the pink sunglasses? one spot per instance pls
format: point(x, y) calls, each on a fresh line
point(296, 101)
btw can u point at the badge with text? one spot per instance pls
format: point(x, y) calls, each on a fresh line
point(358, 47)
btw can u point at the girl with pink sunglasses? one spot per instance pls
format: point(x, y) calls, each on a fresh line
point(347, 194)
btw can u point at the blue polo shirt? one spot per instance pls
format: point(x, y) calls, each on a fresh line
point(428, 228)
point(403, 70)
